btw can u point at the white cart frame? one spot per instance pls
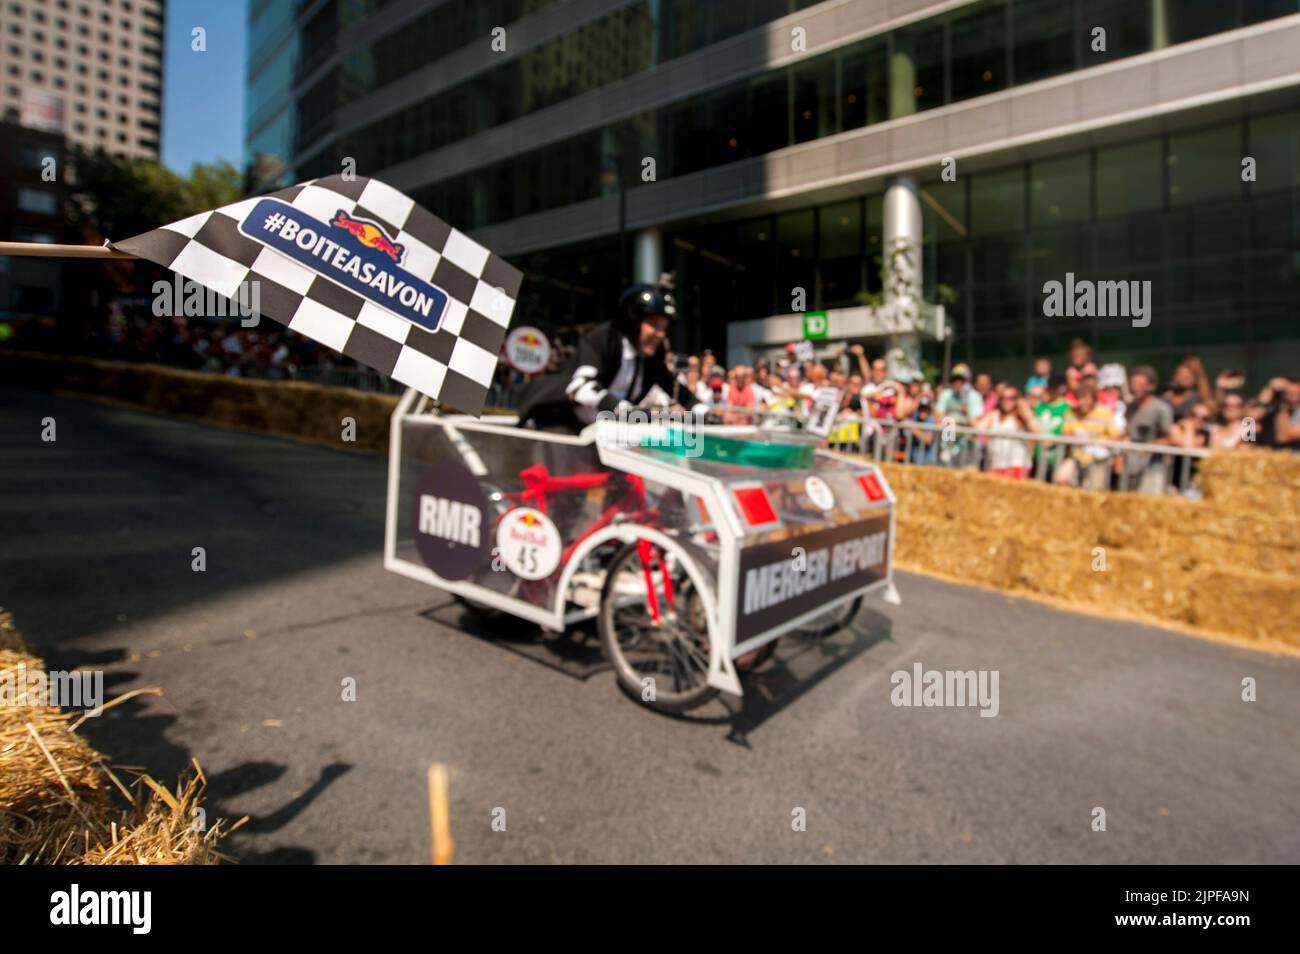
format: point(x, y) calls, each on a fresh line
point(720, 599)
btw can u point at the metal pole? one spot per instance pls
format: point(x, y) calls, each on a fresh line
point(46, 250)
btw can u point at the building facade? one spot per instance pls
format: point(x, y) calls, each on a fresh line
point(772, 152)
point(30, 211)
point(88, 69)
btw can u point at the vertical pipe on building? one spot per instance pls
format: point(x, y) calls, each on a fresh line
point(902, 84)
point(649, 252)
point(1159, 24)
point(903, 228)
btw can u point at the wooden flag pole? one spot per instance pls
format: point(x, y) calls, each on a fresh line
point(444, 848)
point(46, 250)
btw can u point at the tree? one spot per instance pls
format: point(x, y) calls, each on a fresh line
point(900, 298)
point(213, 184)
point(111, 197)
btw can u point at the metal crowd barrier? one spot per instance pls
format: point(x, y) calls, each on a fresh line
point(359, 379)
point(1102, 465)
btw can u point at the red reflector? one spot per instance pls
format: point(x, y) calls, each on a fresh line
point(755, 506)
point(872, 487)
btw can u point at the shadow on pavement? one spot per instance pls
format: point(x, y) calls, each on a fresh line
point(135, 740)
point(799, 665)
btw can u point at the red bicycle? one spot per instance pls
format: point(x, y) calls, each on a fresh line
point(655, 613)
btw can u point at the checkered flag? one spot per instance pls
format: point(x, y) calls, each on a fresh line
point(358, 266)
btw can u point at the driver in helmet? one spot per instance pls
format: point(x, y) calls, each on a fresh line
point(621, 363)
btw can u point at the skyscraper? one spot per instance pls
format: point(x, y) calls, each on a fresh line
point(89, 69)
point(772, 151)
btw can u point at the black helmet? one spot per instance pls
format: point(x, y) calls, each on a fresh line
point(645, 299)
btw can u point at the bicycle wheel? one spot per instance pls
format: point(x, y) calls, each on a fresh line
point(663, 663)
point(832, 621)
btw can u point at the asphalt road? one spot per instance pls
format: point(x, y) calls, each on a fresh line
point(95, 561)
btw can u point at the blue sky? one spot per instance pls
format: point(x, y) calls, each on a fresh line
point(203, 93)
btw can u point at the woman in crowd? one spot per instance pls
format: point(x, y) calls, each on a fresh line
point(1191, 430)
point(1227, 431)
point(1009, 456)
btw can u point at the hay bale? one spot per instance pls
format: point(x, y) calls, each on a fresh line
point(1221, 566)
point(1264, 481)
point(57, 801)
point(293, 409)
point(1250, 605)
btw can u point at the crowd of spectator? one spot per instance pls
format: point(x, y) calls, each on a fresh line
point(130, 332)
point(1095, 406)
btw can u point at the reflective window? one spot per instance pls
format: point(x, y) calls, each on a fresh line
point(840, 253)
point(884, 77)
point(1253, 11)
point(1205, 165)
point(1044, 38)
point(40, 201)
point(979, 49)
point(916, 69)
point(1057, 249)
point(767, 113)
point(997, 202)
point(944, 209)
point(1126, 26)
point(728, 132)
point(690, 131)
point(814, 100)
point(864, 82)
point(1274, 144)
point(1193, 19)
point(1060, 191)
point(755, 290)
point(795, 258)
point(1129, 178)
point(692, 24)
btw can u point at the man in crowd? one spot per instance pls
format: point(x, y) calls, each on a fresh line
point(1050, 413)
point(1088, 465)
point(1150, 419)
point(984, 386)
point(963, 405)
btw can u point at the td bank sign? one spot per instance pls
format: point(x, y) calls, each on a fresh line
point(815, 325)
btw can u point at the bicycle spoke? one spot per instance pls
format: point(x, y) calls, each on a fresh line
point(696, 653)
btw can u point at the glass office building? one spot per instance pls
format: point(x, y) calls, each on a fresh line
point(751, 145)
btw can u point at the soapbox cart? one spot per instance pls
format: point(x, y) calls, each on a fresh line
point(694, 547)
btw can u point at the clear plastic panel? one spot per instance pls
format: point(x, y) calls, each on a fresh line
point(517, 472)
point(799, 504)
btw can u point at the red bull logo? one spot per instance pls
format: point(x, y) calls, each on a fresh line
point(368, 234)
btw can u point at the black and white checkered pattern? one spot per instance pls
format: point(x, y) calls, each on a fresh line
point(454, 364)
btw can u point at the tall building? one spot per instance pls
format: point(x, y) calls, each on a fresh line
point(30, 212)
point(89, 69)
point(767, 148)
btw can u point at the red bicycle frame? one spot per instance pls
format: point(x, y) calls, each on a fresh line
point(540, 485)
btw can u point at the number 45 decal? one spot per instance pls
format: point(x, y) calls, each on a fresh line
point(529, 543)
